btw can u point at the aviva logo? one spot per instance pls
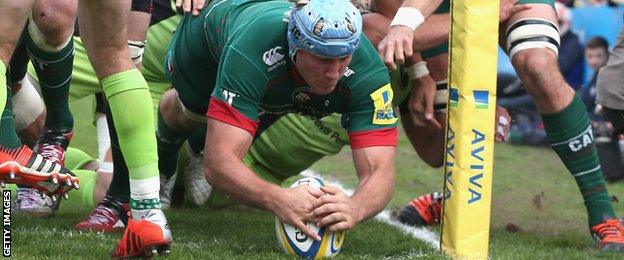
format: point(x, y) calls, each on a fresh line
point(453, 96)
point(481, 99)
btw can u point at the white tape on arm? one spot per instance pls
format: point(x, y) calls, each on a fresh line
point(408, 16)
point(416, 71)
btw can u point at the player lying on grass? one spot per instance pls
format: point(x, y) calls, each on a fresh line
point(302, 67)
point(530, 35)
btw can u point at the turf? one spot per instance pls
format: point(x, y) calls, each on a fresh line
point(537, 213)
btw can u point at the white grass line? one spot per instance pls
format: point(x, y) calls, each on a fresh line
point(429, 237)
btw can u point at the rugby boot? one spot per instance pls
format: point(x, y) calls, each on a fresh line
point(52, 146)
point(111, 215)
point(22, 166)
point(31, 201)
point(609, 235)
point(145, 236)
point(196, 188)
point(422, 211)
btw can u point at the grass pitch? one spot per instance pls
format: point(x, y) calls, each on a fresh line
point(537, 213)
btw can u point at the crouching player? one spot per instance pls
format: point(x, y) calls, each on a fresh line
point(302, 67)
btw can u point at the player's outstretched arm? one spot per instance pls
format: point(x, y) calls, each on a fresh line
point(225, 146)
point(375, 167)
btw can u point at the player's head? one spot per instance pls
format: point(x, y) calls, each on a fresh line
point(323, 33)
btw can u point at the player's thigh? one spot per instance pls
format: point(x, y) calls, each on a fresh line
point(13, 15)
point(193, 80)
point(104, 33)
point(534, 28)
point(438, 66)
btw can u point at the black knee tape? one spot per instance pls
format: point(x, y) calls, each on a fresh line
point(144, 6)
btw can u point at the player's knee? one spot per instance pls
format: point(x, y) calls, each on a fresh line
point(533, 62)
point(51, 23)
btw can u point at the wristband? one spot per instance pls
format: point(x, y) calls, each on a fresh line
point(408, 16)
point(416, 71)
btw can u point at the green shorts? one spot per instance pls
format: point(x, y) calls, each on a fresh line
point(194, 80)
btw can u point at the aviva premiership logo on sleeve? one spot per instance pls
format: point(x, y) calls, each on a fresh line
point(384, 112)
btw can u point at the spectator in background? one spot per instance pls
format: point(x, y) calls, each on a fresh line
point(570, 50)
point(610, 95)
point(596, 55)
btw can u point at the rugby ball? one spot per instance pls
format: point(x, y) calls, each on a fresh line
point(294, 242)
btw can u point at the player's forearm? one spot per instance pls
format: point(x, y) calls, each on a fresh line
point(230, 175)
point(376, 184)
point(433, 32)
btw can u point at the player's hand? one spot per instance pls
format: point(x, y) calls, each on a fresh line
point(421, 102)
point(396, 46)
point(191, 6)
point(503, 123)
point(294, 207)
point(335, 210)
point(508, 8)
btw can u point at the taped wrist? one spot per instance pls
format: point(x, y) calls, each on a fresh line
point(416, 71)
point(408, 16)
point(136, 49)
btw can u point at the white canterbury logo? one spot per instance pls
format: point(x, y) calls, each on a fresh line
point(271, 56)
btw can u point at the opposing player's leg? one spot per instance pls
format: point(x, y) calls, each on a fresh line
point(531, 39)
point(103, 28)
point(111, 213)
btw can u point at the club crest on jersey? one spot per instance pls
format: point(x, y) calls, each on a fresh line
point(384, 111)
point(273, 58)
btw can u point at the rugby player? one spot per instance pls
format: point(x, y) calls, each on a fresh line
point(529, 34)
point(293, 69)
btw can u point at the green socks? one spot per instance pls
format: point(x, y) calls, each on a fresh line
point(8, 134)
point(169, 143)
point(570, 135)
point(54, 70)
